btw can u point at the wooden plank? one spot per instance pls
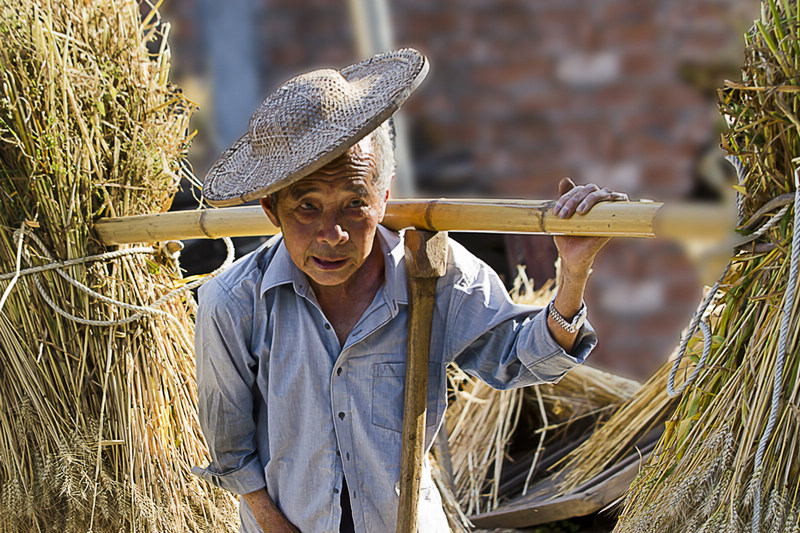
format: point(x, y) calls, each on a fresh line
point(541, 511)
point(539, 506)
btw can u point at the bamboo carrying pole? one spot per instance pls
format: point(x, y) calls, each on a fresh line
point(426, 260)
point(632, 219)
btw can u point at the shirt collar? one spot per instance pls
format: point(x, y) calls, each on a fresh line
point(395, 285)
point(282, 270)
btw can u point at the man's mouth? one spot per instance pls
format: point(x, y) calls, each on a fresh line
point(328, 264)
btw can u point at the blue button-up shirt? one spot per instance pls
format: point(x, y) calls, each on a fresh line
point(283, 406)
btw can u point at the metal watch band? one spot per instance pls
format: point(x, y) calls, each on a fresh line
point(569, 327)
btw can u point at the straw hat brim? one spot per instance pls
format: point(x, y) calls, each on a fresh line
point(380, 85)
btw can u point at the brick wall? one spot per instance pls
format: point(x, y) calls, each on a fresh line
point(522, 93)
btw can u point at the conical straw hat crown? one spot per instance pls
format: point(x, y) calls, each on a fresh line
point(309, 121)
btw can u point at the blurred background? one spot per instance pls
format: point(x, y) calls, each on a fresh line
point(521, 93)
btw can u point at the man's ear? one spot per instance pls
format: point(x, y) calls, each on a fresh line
point(272, 214)
point(383, 207)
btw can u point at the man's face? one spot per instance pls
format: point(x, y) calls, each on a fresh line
point(328, 219)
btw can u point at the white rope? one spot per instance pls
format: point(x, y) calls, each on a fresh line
point(684, 342)
point(77, 261)
point(701, 310)
point(740, 172)
point(782, 341)
point(763, 229)
point(20, 236)
point(788, 303)
point(80, 286)
point(139, 311)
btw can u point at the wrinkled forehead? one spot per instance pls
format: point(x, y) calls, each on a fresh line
point(330, 186)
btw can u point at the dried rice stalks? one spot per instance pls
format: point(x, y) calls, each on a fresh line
point(705, 475)
point(482, 422)
point(646, 410)
point(98, 425)
point(458, 521)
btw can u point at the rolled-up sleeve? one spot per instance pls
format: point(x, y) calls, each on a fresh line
point(226, 374)
point(505, 344)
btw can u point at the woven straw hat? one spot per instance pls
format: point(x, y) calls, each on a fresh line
point(309, 121)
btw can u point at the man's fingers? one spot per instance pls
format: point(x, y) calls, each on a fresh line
point(566, 205)
point(591, 199)
point(567, 197)
point(582, 198)
point(619, 197)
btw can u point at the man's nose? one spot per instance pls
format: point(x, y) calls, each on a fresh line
point(331, 232)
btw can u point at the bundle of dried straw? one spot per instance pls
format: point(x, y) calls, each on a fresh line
point(98, 425)
point(729, 459)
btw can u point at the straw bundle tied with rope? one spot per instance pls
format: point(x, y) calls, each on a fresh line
point(98, 426)
point(729, 459)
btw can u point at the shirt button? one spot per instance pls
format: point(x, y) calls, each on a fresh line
point(339, 371)
point(341, 416)
point(336, 491)
point(327, 326)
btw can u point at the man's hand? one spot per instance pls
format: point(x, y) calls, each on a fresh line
point(268, 516)
point(577, 253)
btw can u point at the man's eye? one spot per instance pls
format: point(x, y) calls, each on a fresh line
point(306, 206)
point(357, 203)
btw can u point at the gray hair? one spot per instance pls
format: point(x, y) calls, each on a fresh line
point(384, 156)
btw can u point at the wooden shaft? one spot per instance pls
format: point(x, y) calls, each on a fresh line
point(524, 216)
point(631, 219)
point(426, 260)
point(247, 221)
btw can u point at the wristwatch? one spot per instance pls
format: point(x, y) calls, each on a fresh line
point(570, 327)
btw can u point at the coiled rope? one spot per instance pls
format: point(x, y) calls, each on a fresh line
point(788, 303)
point(138, 310)
point(698, 320)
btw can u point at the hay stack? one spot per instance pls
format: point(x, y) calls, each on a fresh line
point(730, 456)
point(98, 425)
point(646, 411)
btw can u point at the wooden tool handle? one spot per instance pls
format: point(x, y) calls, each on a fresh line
point(426, 260)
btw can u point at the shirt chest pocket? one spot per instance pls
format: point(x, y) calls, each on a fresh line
point(388, 394)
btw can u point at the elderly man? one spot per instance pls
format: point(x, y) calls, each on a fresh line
point(301, 344)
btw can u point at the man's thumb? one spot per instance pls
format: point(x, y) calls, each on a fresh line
point(565, 185)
